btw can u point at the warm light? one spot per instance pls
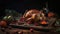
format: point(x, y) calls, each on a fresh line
point(43, 22)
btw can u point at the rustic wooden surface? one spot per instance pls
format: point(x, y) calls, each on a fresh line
point(14, 30)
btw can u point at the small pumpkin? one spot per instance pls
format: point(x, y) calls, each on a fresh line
point(3, 23)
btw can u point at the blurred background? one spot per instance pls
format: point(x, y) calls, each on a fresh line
point(22, 5)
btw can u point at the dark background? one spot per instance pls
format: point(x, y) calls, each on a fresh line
point(22, 5)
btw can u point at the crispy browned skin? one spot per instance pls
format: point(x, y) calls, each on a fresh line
point(33, 15)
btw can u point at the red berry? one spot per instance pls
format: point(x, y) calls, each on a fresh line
point(29, 22)
point(31, 30)
point(22, 19)
point(35, 24)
